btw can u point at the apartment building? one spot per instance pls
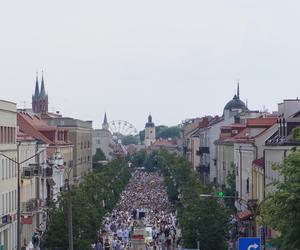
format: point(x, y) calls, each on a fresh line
point(8, 175)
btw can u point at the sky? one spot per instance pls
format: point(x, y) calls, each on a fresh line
point(173, 59)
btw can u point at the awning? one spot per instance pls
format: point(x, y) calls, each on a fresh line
point(244, 215)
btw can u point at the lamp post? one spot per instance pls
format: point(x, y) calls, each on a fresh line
point(18, 163)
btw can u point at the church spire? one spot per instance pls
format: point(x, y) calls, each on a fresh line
point(37, 90)
point(43, 92)
point(105, 123)
point(105, 119)
point(238, 89)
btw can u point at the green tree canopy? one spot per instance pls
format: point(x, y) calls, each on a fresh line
point(98, 188)
point(281, 208)
point(201, 219)
point(99, 156)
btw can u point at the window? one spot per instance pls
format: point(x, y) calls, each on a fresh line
point(247, 185)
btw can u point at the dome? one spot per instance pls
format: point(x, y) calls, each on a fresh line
point(235, 104)
point(149, 124)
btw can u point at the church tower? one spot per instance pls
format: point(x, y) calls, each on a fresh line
point(149, 132)
point(35, 96)
point(40, 98)
point(105, 125)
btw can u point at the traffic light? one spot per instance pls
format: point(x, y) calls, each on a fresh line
point(221, 194)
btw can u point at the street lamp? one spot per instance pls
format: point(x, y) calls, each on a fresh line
point(18, 189)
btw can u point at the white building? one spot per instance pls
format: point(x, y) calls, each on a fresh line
point(103, 139)
point(8, 176)
point(150, 136)
point(248, 147)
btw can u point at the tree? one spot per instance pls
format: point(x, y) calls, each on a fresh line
point(130, 139)
point(231, 187)
point(280, 210)
point(201, 219)
point(138, 159)
point(99, 156)
point(87, 206)
point(169, 132)
point(164, 132)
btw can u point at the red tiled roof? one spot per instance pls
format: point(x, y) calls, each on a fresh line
point(165, 143)
point(34, 126)
point(261, 122)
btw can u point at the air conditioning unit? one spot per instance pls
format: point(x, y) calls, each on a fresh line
point(27, 173)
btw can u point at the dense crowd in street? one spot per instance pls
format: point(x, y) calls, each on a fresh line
point(144, 203)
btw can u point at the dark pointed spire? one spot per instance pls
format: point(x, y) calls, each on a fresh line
point(37, 90)
point(43, 92)
point(238, 89)
point(105, 119)
point(105, 123)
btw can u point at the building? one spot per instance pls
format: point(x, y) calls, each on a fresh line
point(59, 149)
point(225, 151)
point(80, 135)
point(8, 175)
point(150, 137)
point(189, 129)
point(103, 139)
point(33, 196)
point(168, 144)
point(279, 145)
point(248, 147)
point(40, 98)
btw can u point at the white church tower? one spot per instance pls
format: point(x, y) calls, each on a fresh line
point(149, 132)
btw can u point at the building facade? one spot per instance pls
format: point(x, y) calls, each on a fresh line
point(103, 139)
point(8, 175)
point(80, 135)
point(59, 149)
point(150, 136)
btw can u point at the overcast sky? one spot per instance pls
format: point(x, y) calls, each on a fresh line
point(175, 59)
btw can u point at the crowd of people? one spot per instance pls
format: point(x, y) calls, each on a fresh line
point(143, 204)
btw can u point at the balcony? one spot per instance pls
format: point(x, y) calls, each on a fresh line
point(29, 206)
point(203, 150)
point(31, 170)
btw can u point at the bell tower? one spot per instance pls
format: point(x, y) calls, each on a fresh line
point(149, 132)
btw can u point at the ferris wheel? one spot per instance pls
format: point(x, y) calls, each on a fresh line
point(123, 128)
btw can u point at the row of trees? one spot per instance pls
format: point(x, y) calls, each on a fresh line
point(92, 199)
point(201, 219)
